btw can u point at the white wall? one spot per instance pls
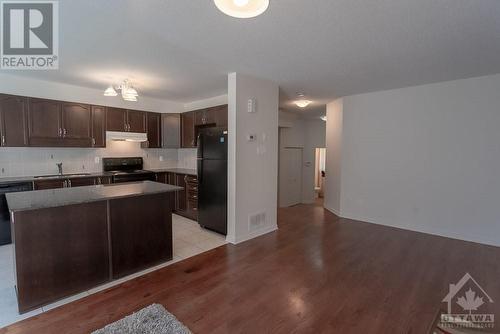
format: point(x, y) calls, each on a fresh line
point(18, 85)
point(206, 103)
point(252, 166)
point(307, 134)
point(334, 114)
point(425, 158)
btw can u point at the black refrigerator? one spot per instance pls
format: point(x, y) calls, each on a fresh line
point(212, 179)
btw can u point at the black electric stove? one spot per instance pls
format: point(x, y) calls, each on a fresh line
point(127, 170)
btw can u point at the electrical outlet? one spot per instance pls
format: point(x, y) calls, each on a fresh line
point(161, 157)
point(96, 160)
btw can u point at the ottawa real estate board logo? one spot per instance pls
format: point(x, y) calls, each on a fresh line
point(468, 305)
point(30, 35)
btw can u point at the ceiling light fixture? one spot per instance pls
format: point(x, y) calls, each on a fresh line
point(128, 92)
point(110, 91)
point(302, 102)
point(242, 9)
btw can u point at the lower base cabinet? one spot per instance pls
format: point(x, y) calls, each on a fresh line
point(184, 202)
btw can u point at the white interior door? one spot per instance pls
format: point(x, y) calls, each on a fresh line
point(291, 177)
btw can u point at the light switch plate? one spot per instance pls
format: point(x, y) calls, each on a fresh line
point(252, 106)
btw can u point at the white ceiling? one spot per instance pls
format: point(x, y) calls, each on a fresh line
point(182, 50)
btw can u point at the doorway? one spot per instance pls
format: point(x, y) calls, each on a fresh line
point(319, 172)
point(290, 176)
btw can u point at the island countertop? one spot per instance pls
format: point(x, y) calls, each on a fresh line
point(41, 199)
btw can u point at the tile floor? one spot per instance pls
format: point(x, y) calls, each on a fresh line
point(189, 240)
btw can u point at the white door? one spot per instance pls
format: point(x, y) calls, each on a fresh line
point(291, 177)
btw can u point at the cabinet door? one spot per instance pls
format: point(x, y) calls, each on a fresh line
point(154, 130)
point(136, 121)
point(188, 139)
point(171, 130)
point(77, 124)
point(116, 119)
point(49, 184)
point(44, 122)
point(221, 116)
point(204, 117)
point(13, 121)
point(82, 181)
point(181, 198)
point(98, 126)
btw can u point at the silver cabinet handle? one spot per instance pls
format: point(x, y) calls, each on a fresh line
point(65, 184)
point(99, 180)
point(69, 183)
point(60, 132)
point(3, 140)
point(64, 132)
point(93, 141)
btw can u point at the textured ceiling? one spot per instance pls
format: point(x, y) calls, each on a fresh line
point(182, 50)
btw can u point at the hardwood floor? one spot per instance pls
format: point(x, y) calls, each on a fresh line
point(317, 274)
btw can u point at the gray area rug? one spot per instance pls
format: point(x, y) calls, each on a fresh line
point(153, 319)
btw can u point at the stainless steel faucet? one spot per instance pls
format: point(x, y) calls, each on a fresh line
point(60, 168)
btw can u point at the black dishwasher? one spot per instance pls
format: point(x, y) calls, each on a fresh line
point(4, 209)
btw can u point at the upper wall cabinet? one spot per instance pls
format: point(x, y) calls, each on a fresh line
point(123, 120)
point(59, 124)
point(188, 130)
point(13, 110)
point(98, 126)
point(44, 123)
point(171, 130)
point(116, 119)
point(77, 124)
point(136, 121)
point(194, 120)
point(154, 130)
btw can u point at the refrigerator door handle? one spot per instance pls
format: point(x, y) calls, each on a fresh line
point(200, 145)
point(200, 171)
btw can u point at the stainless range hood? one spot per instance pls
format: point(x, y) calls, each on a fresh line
point(126, 136)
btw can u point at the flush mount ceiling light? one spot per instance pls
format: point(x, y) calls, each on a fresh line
point(302, 102)
point(242, 9)
point(128, 92)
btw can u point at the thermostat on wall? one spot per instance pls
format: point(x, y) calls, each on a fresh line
point(251, 137)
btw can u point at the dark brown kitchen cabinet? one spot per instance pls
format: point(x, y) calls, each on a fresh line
point(187, 199)
point(116, 119)
point(171, 130)
point(205, 117)
point(136, 121)
point(49, 184)
point(181, 200)
point(44, 123)
point(188, 139)
point(98, 126)
point(59, 124)
point(154, 131)
point(76, 124)
point(168, 178)
point(123, 120)
point(221, 116)
point(13, 110)
point(81, 182)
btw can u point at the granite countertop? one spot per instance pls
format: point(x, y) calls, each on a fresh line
point(19, 179)
point(40, 199)
point(175, 170)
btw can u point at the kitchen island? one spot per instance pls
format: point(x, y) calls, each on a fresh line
point(70, 240)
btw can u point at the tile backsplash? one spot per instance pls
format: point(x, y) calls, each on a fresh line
point(28, 161)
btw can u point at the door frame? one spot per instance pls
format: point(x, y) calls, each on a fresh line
point(282, 151)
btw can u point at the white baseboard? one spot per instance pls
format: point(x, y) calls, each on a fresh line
point(484, 240)
point(335, 212)
point(254, 234)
